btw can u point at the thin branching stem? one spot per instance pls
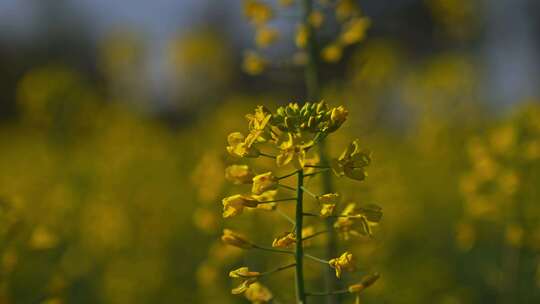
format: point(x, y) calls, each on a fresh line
point(318, 172)
point(287, 187)
point(278, 269)
point(288, 175)
point(285, 216)
point(278, 200)
point(315, 196)
point(272, 249)
point(314, 258)
point(314, 235)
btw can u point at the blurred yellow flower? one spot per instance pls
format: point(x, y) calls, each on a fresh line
point(243, 273)
point(239, 174)
point(232, 238)
point(264, 182)
point(316, 19)
point(338, 116)
point(266, 36)
point(253, 64)
point(354, 31)
point(343, 262)
point(258, 293)
point(352, 162)
point(364, 283)
point(234, 205)
point(346, 9)
point(327, 210)
point(332, 53)
point(257, 12)
point(284, 241)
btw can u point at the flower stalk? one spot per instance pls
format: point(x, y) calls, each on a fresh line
point(299, 250)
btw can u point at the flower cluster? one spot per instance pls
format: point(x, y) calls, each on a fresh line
point(502, 173)
point(288, 138)
point(345, 13)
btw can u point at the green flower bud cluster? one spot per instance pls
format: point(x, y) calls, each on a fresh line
point(311, 117)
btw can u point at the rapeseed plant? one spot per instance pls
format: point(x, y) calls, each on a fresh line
point(287, 137)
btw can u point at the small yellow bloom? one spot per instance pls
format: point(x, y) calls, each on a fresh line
point(337, 118)
point(232, 238)
point(327, 210)
point(264, 182)
point(289, 151)
point(239, 148)
point(344, 262)
point(243, 286)
point(257, 12)
point(243, 273)
point(284, 241)
point(355, 30)
point(253, 64)
point(328, 198)
point(346, 9)
point(352, 162)
point(364, 283)
point(332, 53)
point(266, 36)
point(258, 294)
point(239, 174)
point(316, 19)
point(301, 36)
point(234, 205)
point(257, 123)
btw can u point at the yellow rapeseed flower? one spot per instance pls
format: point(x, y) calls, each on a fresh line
point(232, 238)
point(332, 53)
point(337, 117)
point(258, 294)
point(355, 30)
point(327, 210)
point(352, 162)
point(239, 174)
point(343, 262)
point(328, 198)
point(234, 205)
point(257, 12)
point(243, 273)
point(253, 64)
point(264, 182)
point(346, 9)
point(239, 148)
point(266, 36)
point(289, 151)
point(284, 241)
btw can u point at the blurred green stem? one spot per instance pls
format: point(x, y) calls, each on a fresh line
point(313, 94)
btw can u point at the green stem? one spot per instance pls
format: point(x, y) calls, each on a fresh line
point(288, 175)
point(272, 249)
point(267, 155)
point(316, 259)
point(318, 172)
point(287, 187)
point(311, 72)
point(278, 269)
point(278, 200)
point(299, 250)
point(315, 234)
point(313, 94)
point(315, 196)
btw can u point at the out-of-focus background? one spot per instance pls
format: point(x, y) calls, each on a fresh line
point(114, 115)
